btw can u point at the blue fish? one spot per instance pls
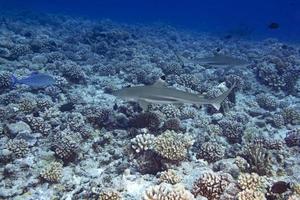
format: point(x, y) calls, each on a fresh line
point(35, 80)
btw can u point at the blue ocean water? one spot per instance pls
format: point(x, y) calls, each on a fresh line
point(216, 16)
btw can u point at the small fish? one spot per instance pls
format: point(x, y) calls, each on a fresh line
point(221, 60)
point(159, 93)
point(273, 25)
point(67, 107)
point(280, 187)
point(35, 80)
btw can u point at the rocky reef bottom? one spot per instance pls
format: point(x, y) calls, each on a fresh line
point(75, 140)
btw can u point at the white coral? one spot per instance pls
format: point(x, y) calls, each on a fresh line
point(142, 142)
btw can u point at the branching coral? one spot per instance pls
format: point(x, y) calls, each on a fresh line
point(109, 195)
point(278, 72)
point(170, 111)
point(142, 142)
point(266, 102)
point(251, 195)
point(232, 130)
point(211, 151)
point(169, 176)
point(292, 138)
point(19, 148)
point(250, 182)
point(148, 120)
point(291, 115)
point(172, 124)
point(5, 80)
point(167, 192)
point(38, 125)
point(172, 145)
point(258, 157)
point(74, 73)
point(27, 105)
point(189, 81)
point(211, 185)
point(65, 146)
point(53, 172)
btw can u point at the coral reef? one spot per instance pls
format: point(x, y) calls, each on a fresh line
point(5, 80)
point(109, 195)
point(169, 176)
point(148, 120)
point(19, 148)
point(250, 182)
point(211, 185)
point(142, 142)
point(167, 192)
point(266, 102)
point(52, 173)
point(75, 139)
point(258, 158)
point(211, 151)
point(251, 195)
point(172, 146)
point(232, 130)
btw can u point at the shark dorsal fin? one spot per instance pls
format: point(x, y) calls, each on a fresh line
point(160, 83)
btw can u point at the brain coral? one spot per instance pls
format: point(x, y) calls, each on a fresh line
point(167, 192)
point(172, 145)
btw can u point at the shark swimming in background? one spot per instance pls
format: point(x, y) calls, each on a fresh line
point(221, 60)
point(159, 93)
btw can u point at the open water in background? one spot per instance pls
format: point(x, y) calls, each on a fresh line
point(250, 17)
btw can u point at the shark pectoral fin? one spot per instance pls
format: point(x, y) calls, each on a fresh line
point(143, 104)
point(218, 100)
point(217, 106)
point(160, 83)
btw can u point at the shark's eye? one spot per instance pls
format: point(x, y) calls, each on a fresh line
point(128, 86)
point(163, 77)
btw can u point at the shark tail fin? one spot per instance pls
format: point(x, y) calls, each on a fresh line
point(218, 100)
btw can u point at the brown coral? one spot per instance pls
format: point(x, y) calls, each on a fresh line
point(211, 151)
point(211, 185)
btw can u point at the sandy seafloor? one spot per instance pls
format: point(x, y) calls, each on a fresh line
point(75, 140)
